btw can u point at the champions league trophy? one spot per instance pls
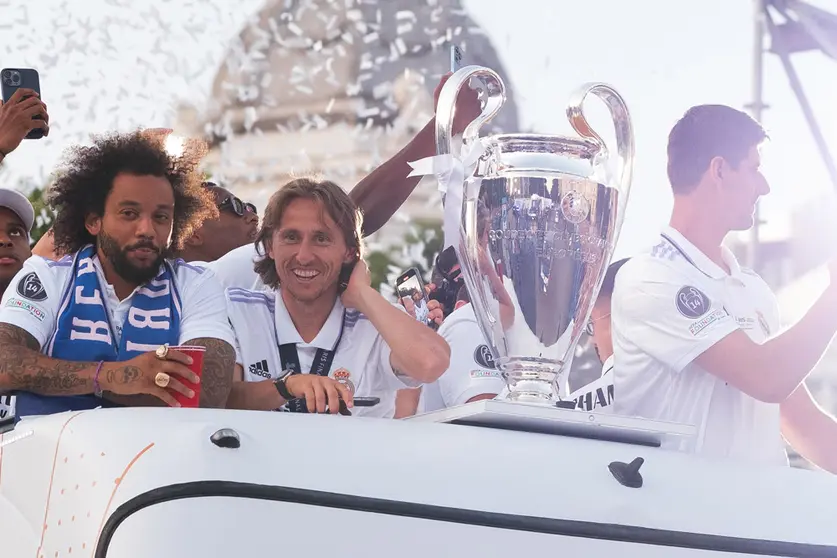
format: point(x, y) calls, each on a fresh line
point(540, 216)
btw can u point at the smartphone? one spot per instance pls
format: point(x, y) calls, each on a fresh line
point(358, 402)
point(345, 275)
point(409, 288)
point(12, 79)
point(455, 58)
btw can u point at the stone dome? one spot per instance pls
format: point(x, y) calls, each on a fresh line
point(302, 64)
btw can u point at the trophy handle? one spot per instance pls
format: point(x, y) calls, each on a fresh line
point(495, 96)
point(625, 147)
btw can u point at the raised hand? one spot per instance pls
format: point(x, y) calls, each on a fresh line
point(468, 106)
point(17, 118)
point(359, 284)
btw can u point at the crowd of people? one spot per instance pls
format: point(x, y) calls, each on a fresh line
point(144, 257)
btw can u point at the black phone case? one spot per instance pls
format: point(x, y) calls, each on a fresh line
point(345, 274)
point(29, 79)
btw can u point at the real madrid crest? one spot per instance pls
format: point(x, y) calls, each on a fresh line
point(344, 377)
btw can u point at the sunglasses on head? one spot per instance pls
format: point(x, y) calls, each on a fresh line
point(237, 206)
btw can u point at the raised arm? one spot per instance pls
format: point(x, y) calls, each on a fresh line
point(417, 351)
point(645, 314)
point(773, 371)
point(385, 189)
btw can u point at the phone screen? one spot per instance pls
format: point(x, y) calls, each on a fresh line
point(409, 289)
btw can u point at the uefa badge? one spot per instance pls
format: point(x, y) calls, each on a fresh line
point(344, 377)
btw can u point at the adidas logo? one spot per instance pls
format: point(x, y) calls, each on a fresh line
point(260, 369)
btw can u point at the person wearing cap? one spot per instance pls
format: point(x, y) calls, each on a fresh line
point(18, 117)
point(16, 219)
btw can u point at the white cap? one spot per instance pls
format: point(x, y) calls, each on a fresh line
point(18, 203)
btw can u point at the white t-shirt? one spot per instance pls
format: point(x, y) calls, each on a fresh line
point(472, 369)
point(203, 312)
point(597, 395)
point(235, 268)
point(669, 306)
point(362, 360)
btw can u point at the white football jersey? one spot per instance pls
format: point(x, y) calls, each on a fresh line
point(669, 306)
point(361, 360)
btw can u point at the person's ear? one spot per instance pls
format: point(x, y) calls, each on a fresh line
point(195, 240)
point(717, 169)
point(351, 256)
point(93, 224)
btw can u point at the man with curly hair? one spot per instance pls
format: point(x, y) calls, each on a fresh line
point(93, 328)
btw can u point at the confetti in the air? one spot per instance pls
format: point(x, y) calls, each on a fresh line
point(329, 86)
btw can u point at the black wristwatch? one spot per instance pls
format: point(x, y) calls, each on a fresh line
point(282, 388)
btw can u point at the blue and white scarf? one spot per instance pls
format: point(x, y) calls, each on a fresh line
point(83, 331)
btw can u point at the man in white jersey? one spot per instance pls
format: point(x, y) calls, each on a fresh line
point(472, 375)
point(17, 119)
point(91, 328)
point(16, 219)
point(322, 333)
point(696, 336)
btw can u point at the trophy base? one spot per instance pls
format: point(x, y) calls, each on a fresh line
point(532, 380)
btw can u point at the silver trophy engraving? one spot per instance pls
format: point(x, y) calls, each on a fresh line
point(540, 218)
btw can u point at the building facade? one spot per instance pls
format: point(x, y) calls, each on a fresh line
point(334, 88)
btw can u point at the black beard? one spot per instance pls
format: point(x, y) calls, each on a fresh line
point(123, 267)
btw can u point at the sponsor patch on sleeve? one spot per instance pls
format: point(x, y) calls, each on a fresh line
point(28, 306)
point(696, 327)
point(485, 374)
point(30, 287)
point(691, 302)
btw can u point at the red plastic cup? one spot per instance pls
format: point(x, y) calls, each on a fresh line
point(197, 367)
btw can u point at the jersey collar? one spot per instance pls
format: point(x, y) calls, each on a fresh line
point(326, 339)
point(698, 259)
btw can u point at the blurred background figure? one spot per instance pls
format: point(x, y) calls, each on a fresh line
point(237, 225)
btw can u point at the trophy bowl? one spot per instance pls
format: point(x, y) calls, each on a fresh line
point(540, 218)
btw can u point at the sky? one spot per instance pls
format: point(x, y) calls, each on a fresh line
point(116, 64)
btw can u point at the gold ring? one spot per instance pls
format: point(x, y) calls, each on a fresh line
point(162, 352)
point(162, 379)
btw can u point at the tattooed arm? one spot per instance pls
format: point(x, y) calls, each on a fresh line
point(24, 368)
point(218, 368)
